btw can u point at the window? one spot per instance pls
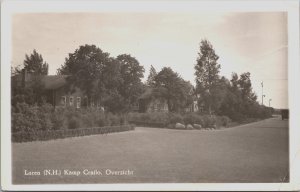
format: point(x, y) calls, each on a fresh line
point(92, 103)
point(78, 102)
point(63, 100)
point(71, 101)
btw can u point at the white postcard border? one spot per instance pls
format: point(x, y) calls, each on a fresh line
point(17, 6)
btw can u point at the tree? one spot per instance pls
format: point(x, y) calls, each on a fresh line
point(169, 85)
point(235, 81)
point(151, 77)
point(35, 64)
point(247, 95)
point(131, 85)
point(207, 75)
point(114, 82)
point(240, 101)
point(33, 92)
point(85, 69)
point(246, 88)
point(231, 105)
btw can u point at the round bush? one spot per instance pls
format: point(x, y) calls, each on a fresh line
point(192, 118)
point(175, 118)
point(74, 123)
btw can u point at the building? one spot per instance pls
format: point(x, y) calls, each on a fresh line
point(57, 94)
point(55, 90)
point(149, 103)
point(193, 106)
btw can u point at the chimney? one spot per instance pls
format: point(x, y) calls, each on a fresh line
point(26, 77)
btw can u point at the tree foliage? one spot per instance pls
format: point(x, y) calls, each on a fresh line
point(35, 64)
point(131, 73)
point(207, 75)
point(151, 78)
point(234, 98)
point(114, 82)
point(240, 101)
point(169, 85)
point(85, 68)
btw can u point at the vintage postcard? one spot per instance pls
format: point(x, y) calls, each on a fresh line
point(150, 95)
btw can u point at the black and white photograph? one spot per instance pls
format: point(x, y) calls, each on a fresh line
point(141, 95)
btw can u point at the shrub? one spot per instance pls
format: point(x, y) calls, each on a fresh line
point(88, 120)
point(175, 118)
point(45, 121)
point(58, 121)
point(74, 123)
point(208, 121)
point(223, 121)
point(135, 116)
point(123, 120)
point(171, 126)
point(159, 117)
point(48, 135)
point(170, 119)
point(26, 118)
point(45, 118)
point(18, 122)
point(113, 119)
point(238, 117)
point(192, 118)
point(101, 121)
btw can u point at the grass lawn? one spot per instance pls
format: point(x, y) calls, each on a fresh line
point(256, 152)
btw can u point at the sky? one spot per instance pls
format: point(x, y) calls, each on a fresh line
point(254, 42)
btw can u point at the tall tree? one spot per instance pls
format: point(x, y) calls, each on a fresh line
point(207, 74)
point(35, 64)
point(115, 82)
point(151, 77)
point(85, 69)
point(131, 73)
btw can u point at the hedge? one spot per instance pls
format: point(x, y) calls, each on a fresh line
point(26, 118)
point(60, 134)
point(161, 120)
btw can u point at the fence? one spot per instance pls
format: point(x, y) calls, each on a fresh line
point(60, 134)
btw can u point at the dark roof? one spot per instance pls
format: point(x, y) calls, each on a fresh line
point(147, 94)
point(54, 81)
point(49, 81)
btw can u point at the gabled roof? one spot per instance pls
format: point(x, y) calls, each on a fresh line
point(54, 81)
point(49, 81)
point(153, 93)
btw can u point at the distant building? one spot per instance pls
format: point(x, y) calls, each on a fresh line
point(193, 106)
point(149, 103)
point(55, 89)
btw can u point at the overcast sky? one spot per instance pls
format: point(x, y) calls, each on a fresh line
point(254, 42)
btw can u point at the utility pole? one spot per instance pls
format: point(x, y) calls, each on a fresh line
point(270, 102)
point(262, 93)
